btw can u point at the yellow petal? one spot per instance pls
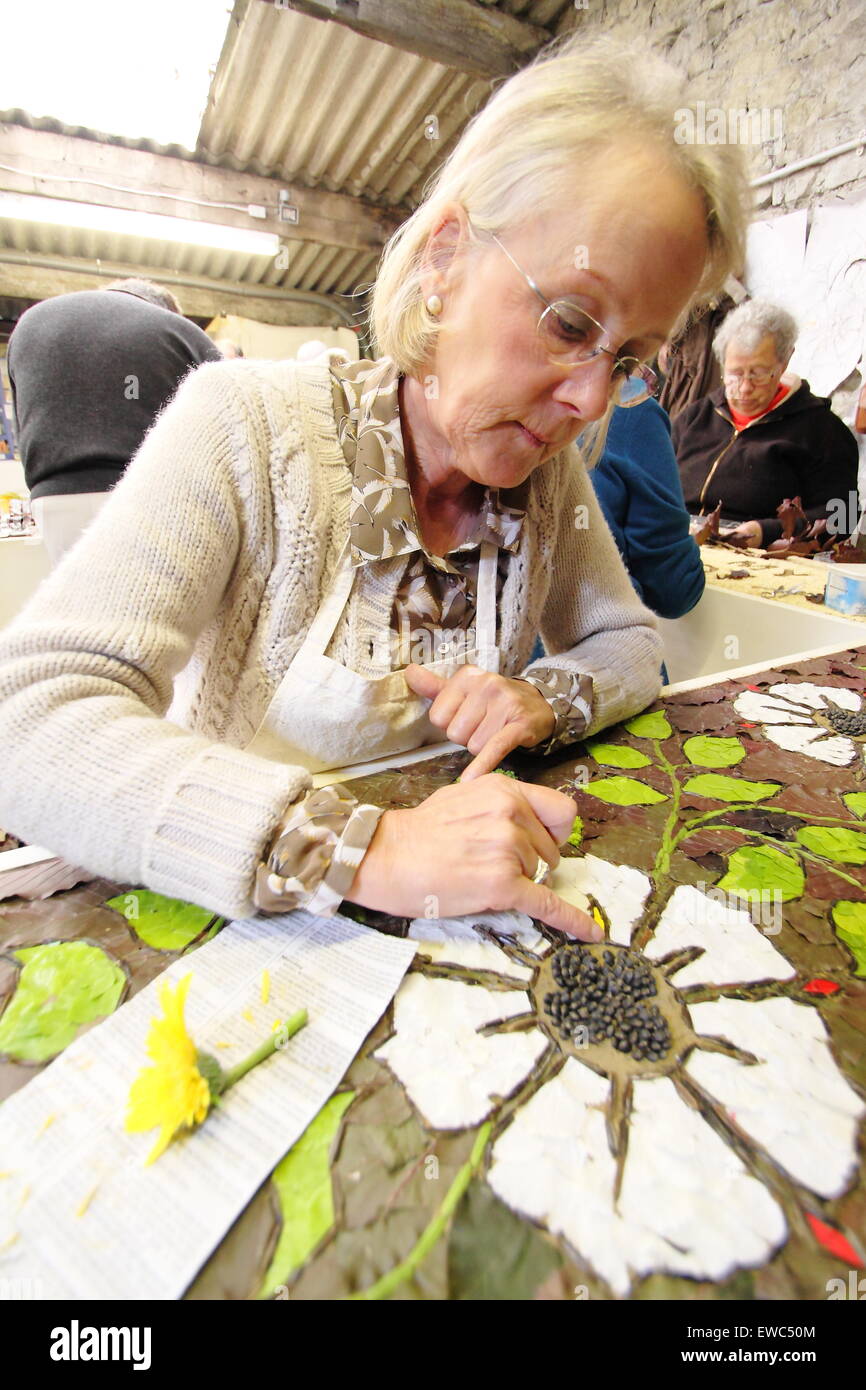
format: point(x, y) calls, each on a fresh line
point(172, 1094)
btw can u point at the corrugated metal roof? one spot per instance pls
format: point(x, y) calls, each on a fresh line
point(316, 105)
point(313, 103)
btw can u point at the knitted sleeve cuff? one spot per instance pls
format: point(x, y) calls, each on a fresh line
point(210, 831)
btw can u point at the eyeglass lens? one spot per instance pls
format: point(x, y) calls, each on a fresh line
point(758, 378)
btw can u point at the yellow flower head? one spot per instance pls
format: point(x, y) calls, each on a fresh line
point(172, 1093)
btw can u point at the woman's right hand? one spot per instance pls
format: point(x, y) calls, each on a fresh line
point(472, 847)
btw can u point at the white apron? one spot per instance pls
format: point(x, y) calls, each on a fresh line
point(324, 716)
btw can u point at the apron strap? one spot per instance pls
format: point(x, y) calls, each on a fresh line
point(323, 626)
point(485, 598)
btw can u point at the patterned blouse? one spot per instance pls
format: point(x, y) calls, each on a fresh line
point(323, 836)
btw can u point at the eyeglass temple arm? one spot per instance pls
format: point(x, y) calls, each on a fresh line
point(528, 278)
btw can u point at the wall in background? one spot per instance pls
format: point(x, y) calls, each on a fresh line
point(805, 59)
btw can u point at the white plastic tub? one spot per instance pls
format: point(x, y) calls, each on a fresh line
point(730, 634)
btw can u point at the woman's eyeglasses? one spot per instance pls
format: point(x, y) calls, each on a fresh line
point(571, 337)
point(759, 377)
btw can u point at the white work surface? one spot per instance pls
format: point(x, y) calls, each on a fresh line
point(24, 564)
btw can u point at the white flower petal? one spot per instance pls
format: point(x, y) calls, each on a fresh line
point(814, 741)
point(450, 1071)
point(474, 955)
point(734, 949)
point(687, 1206)
point(620, 890)
point(515, 924)
point(784, 703)
point(795, 1102)
point(763, 709)
point(816, 696)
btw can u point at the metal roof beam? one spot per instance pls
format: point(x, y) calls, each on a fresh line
point(41, 277)
point(457, 33)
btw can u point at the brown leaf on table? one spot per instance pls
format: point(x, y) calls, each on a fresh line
point(706, 695)
point(827, 886)
point(710, 528)
point(790, 512)
point(815, 928)
point(705, 841)
point(712, 863)
point(841, 666)
point(774, 764)
point(41, 879)
point(703, 719)
point(761, 818)
point(240, 1262)
point(813, 801)
point(844, 553)
point(400, 1200)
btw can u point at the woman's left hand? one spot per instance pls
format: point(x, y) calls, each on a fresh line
point(490, 715)
point(748, 533)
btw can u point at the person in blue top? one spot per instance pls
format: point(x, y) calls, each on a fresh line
point(638, 487)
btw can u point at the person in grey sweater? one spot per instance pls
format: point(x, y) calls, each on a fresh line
point(305, 568)
point(89, 373)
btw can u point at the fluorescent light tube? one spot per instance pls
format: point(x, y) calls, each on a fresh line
point(121, 222)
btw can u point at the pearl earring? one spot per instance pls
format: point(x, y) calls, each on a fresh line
point(434, 305)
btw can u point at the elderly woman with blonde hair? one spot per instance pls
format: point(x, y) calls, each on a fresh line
point(308, 566)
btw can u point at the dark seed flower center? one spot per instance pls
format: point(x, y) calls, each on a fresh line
point(846, 721)
point(602, 998)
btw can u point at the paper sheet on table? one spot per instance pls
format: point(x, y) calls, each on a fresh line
point(146, 1231)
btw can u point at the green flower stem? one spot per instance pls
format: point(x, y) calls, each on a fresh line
point(384, 1287)
point(663, 858)
point(270, 1045)
point(690, 825)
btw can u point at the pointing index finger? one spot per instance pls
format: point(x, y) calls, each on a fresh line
point(538, 901)
point(491, 755)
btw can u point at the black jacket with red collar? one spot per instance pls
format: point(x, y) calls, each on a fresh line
point(799, 449)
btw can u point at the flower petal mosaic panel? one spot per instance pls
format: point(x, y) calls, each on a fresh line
point(676, 1112)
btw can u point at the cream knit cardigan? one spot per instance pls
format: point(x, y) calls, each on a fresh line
point(209, 559)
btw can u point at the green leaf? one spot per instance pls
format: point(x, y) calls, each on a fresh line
point(505, 772)
point(62, 986)
point(756, 871)
point(653, 725)
point(576, 832)
point(303, 1181)
point(706, 751)
point(842, 846)
point(850, 921)
point(721, 788)
point(856, 801)
point(167, 924)
point(623, 791)
point(618, 755)
point(494, 1255)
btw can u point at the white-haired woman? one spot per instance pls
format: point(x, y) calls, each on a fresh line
point(762, 436)
point(351, 563)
